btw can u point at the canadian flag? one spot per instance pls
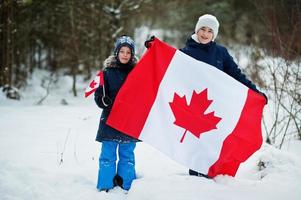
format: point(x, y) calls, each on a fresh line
point(191, 111)
point(94, 84)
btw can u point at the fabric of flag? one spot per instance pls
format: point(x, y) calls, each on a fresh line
point(94, 84)
point(189, 110)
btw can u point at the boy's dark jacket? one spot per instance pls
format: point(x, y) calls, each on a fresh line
point(114, 76)
point(217, 56)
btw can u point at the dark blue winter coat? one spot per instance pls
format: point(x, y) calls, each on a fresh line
point(114, 76)
point(217, 56)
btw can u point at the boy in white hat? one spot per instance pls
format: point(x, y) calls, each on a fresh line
point(201, 45)
point(206, 24)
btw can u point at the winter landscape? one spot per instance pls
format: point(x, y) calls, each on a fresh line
point(51, 50)
point(49, 151)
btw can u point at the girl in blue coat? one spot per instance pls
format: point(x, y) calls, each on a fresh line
point(112, 172)
point(201, 46)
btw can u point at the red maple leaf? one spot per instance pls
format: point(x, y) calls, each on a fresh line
point(92, 84)
point(192, 117)
point(95, 83)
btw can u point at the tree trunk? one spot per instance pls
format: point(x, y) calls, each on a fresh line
point(74, 51)
point(39, 57)
point(7, 43)
point(2, 17)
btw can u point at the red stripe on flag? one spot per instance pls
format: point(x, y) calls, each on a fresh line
point(89, 92)
point(140, 90)
point(244, 140)
point(101, 78)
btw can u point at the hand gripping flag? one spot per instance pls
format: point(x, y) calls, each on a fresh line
point(191, 111)
point(94, 84)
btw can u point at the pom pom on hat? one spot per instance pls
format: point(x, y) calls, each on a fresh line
point(209, 21)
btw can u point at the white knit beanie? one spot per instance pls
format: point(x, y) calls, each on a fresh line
point(209, 21)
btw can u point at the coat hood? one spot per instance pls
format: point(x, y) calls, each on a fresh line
point(111, 61)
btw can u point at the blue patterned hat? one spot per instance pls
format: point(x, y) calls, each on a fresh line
point(124, 41)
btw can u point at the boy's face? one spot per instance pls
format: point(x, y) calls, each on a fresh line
point(205, 35)
point(124, 54)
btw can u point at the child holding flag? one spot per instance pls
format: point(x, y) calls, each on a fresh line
point(112, 173)
point(201, 46)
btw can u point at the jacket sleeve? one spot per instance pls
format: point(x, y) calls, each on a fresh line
point(233, 70)
point(98, 95)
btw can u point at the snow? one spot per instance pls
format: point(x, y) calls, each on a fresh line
point(49, 151)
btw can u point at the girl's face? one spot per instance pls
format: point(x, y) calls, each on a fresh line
point(205, 35)
point(124, 54)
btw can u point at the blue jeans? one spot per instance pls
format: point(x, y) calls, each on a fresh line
point(107, 164)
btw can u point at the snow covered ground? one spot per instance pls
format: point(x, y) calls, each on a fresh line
point(48, 151)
